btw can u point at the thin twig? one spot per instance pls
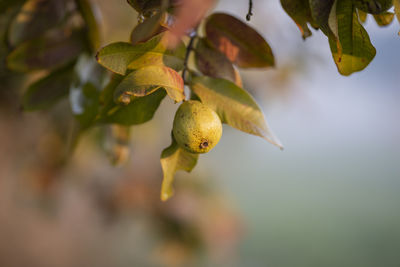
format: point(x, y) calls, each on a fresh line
point(250, 12)
point(188, 50)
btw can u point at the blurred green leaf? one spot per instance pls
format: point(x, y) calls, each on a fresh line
point(88, 14)
point(173, 159)
point(49, 51)
point(234, 106)
point(240, 43)
point(384, 19)
point(213, 63)
point(353, 51)
point(34, 18)
point(373, 6)
point(145, 81)
point(47, 91)
point(5, 5)
point(138, 111)
point(118, 57)
point(300, 12)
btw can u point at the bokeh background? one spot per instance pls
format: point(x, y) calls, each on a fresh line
point(331, 198)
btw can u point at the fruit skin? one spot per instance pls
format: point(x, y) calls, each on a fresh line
point(373, 6)
point(197, 128)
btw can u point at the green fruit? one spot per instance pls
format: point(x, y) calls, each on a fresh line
point(197, 128)
point(373, 6)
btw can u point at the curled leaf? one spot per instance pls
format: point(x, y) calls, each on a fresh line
point(146, 80)
point(173, 159)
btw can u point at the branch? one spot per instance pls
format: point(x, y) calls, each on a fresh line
point(250, 12)
point(189, 49)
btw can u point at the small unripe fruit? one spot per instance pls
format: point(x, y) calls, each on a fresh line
point(197, 128)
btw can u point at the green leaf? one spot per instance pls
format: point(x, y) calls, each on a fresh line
point(49, 51)
point(320, 11)
point(353, 51)
point(146, 80)
point(35, 17)
point(213, 63)
point(240, 43)
point(300, 12)
point(148, 28)
point(47, 91)
point(87, 12)
point(373, 6)
point(384, 19)
point(173, 159)
point(118, 57)
point(138, 111)
point(234, 106)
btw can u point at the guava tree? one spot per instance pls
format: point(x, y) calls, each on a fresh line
point(176, 44)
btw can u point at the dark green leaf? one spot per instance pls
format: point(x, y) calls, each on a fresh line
point(88, 15)
point(362, 16)
point(118, 57)
point(49, 90)
point(145, 81)
point(138, 111)
point(240, 43)
point(35, 17)
point(234, 106)
point(6, 5)
point(300, 12)
point(320, 10)
point(373, 6)
point(148, 28)
point(173, 159)
point(49, 51)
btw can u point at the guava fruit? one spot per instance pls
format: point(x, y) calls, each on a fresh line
point(197, 128)
point(373, 6)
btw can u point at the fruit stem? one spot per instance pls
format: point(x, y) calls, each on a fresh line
point(250, 12)
point(189, 49)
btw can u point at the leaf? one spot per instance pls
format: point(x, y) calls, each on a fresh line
point(300, 12)
point(240, 43)
point(384, 19)
point(148, 29)
point(34, 18)
point(354, 50)
point(49, 51)
point(320, 11)
point(6, 5)
point(362, 16)
point(213, 63)
point(47, 91)
point(88, 14)
point(373, 6)
point(138, 111)
point(146, 80)
point(173, 159)
point(234, 106)
point(118, 57)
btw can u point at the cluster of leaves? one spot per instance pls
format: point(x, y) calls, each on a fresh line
point(341, 21)
point(57, 41)
point(147, 69)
